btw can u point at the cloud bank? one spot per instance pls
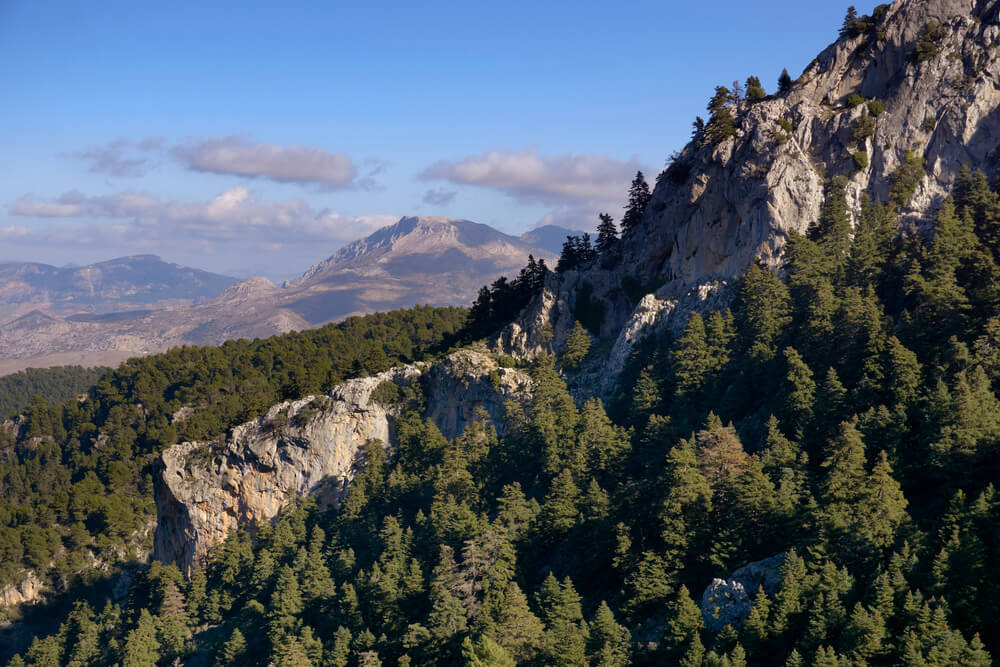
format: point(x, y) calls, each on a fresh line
point(531, 178)
point(303, 165)
point(234, 214)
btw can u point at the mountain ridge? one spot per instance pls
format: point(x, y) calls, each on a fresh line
point(436, 261)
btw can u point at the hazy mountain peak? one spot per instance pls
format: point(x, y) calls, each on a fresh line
point(433, 244)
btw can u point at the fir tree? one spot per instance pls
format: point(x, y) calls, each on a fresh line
point(721, 124)
point(798, 392)
point(784, 83)
point(519, 630)
point(485, 652)
point(608, 645)
point(684, 625)
point(638, 200)
point(141, 646)
point(607, 235)
point(577, 346)
point(234, 650)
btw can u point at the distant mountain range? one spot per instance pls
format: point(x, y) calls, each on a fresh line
point(108, 312)
point(140, 282)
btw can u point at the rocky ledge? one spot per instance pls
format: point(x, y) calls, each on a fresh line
point(309, 447)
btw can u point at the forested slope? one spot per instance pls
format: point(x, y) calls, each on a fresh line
point(53, 385)
point(844, 419)
point(75, 476)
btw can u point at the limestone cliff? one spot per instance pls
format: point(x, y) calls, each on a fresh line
point(719, 207)
point(311, 446)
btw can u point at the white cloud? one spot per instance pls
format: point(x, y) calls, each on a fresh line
point(284, 164)
point(533, 178)
point(234, 214)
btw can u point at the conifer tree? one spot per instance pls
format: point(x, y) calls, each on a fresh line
point(80, 635)
point(518, 629)
point(607, 234)
point(688, 501)
point(833, 229)
point(577, 346)
point(690, 361)
point(762, 312)
point(566, 632)
point(645, 397)
point(173, 631)
point(903, 374)
point(850, 23)
point(798, 392)
point(141, 646)
point(638, 200)
point(721, 124)
point(684, 625)
point(608, 645)
point(559, 511)
point(755, 91)
point(604, 444)
point(234, 650)
point(872, 242)
point(285, 607)
point(784, 83)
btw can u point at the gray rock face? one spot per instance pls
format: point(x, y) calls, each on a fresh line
point(725, 206)
point(744, 196)
point(728, 601)
point(311, 446)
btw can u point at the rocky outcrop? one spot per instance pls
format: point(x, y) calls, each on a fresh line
point(728, 601)
point(718, 208)
point(29, 589)
point(312, 446)
point(723, 206)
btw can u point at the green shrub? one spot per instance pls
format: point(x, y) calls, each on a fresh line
point(854, 100)
point(930, 123)
point(861, 160)
point(906, 179)
point(863, 128)
point(786, 125)
point(876, 107)
point(387, 393)
point(928, 41)
point(506, 361)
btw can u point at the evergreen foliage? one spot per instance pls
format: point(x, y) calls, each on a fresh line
point(845, 417)
point(638, 199)
point(53, 385)
point(784, 82)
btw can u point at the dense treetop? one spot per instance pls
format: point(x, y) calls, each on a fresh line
point(54, 385)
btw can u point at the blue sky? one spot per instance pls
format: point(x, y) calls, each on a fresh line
point(258, 137)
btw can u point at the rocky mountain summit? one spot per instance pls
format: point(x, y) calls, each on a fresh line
point(916, 86)
point(433, 261)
